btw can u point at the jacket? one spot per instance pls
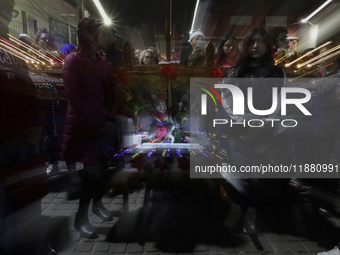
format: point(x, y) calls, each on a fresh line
point(91, 95)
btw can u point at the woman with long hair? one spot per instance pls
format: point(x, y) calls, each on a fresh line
point(227, 52)
point(259, 143)
point(256, 57)
point(91, 93)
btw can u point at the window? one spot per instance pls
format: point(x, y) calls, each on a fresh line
point(24, 22)
point(35, 26)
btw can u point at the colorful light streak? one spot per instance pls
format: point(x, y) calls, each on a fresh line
point(17, 41)
point(25, 54)
point(310, 72)
point(308, 53)
point(325, 58)
point(22, 58)
point(12, 38)
point(315, 58)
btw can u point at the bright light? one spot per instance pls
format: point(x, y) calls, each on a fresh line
point(194, 19)
point(107, 21)
point(316, 11)
point(308, 53)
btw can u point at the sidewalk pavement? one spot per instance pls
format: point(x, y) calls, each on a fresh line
point(58, 217)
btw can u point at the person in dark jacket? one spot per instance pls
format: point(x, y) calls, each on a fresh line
point(20, 133)
point(251, 145)
point(90, 88)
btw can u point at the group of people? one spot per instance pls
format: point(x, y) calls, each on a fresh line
point(93, 106)
point(148, 57)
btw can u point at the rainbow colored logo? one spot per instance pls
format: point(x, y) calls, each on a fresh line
point(209, 93)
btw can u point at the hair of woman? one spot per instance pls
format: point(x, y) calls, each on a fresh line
point(87, 31)
point(142, 54)
point(220, 52)
point(267, 58)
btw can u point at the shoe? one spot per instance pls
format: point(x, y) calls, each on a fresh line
point(52, 170)
point(85, 228)
point(102, 213)
point(334, 251)
point(233, 217)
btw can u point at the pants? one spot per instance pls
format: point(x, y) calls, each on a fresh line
point(94, 182)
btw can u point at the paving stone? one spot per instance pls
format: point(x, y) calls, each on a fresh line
point(140, 201)
point(134, 247)
point(60, 213)
point(71, 214)
point(248, 247)
point(52, 207)
point(282, 247)
point(215, 248)
point(201, 253)
point(84, 246)
point(148, 247)
point(99, 253)
point(101, 246)
point(115, 207)
point(118, 247)
point(74, 207)
point(274, 237)
point(297, 247)
point(132, 200)
point(46, 200)
point(72, 246)
point(262, 237)
point(75, 236)
point(312, 246)
point(61, 195)
point(65, 253)
point(47, 212)
point(267, 247)
point(57, 200)
point(107, 200)
point(68, 201)
point(289, 238)
point(201, 247)
point(51, 194)
point(117, 200)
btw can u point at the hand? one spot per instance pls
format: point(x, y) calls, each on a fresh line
point(109, 128)
point(197, 50)
point(35, 135)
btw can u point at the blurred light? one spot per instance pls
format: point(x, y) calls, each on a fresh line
point(325, 58)
point(107, 21)
point(309, 52)
point(321, 55)
point(194, 18)
point(314, 33)
point(316, 11)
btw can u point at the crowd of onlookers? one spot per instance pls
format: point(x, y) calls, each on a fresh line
point(91, 122)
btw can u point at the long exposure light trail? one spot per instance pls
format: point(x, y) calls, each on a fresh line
point(309, 52)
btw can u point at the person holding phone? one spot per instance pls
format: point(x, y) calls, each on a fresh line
point(195, 56)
